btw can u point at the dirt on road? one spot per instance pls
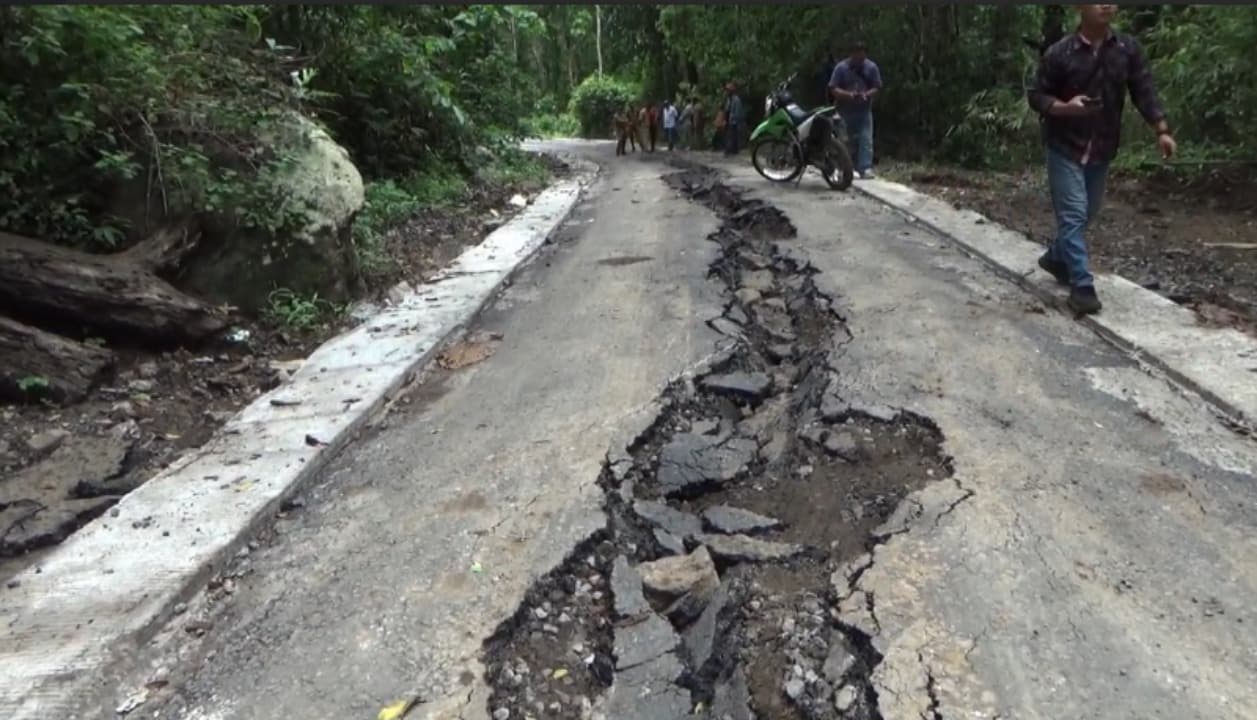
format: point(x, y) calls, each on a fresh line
point(1193, 241)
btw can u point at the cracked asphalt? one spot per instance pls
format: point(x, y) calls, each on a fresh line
point(1092, 556)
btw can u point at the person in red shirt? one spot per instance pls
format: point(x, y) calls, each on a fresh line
point(652, 124)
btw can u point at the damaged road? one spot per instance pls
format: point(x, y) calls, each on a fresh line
point(726, 520)
point(745, 451)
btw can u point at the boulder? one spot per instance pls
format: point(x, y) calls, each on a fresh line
point(313, 254)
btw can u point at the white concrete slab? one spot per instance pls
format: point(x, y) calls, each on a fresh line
point(109, 586)
point(1220, 364)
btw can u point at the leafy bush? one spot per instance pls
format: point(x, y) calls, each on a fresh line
point(95, 100)
point(1204, 64)
point(551, 126)
point(997, 130)
point(293, 311)
point(595, 101)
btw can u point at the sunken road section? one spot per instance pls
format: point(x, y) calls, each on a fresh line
point(733, 521)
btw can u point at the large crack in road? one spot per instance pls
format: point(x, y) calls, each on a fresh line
point(737, 523)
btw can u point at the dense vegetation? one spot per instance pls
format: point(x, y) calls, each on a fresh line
point(177, 100)
point(186, 101)
point(955, 73)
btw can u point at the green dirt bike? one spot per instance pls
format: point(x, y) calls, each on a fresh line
point(791, 138)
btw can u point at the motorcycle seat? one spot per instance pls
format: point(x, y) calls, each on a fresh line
point(797, 114)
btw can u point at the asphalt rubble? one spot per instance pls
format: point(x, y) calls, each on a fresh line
point(737, 523)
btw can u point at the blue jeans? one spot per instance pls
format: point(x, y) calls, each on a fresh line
point(860, 130)
point(733, 133)
point(1077, 195)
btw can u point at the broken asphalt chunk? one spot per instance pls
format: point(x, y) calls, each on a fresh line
point(670, 543)
point(626, 587)
point(691, 462)
point(740, 548)
point(734, 521)
point(700, 636)
point(749, 387)
point(640, 642)
point(677, 523)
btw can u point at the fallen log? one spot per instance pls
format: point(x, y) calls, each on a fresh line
point(113, 295)
point(35, 364)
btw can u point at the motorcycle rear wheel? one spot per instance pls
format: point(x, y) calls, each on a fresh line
point(776, 159)
point(839, 170)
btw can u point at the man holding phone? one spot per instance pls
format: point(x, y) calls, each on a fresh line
point(853, 84)
point(1079, 93)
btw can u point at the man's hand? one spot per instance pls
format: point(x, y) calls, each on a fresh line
point(1078, 106)
point(1167, 145)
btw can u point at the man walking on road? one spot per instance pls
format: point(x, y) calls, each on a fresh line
point(854, 84)
point(670, 124)
point(733, 118)
point(1079, 93)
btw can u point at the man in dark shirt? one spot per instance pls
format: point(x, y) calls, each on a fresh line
point(853, 84)
point(1079, 92)
point(734, 118)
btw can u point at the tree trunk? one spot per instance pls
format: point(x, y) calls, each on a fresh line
point(598, 35)
point(115, 296)
point(49, 365)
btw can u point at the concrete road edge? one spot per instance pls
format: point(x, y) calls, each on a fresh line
point(115, 582)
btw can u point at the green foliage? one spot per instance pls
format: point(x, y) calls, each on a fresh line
point(287, 309)
point(998, 130)
point(391, 202)
point(1205, 64)
point(595, 101)
point(553, 125)
point(34, 385)
point(406, 86)
point(516, 167)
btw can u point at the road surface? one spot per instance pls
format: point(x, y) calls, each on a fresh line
point(1091, 556)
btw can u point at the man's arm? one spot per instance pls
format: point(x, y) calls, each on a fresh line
point(1143, 91)
point(1042, 95)
point(835, 85)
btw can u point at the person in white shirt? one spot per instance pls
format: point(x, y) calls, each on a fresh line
point(670, 124)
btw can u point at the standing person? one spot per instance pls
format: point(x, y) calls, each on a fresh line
point(621, 130)
point(698, 124)
point(685, 125)
point(734, 117)
point(854, 84)
point(652, 124)
point(827, 72)
point(1079, 93)
point(722, 120)
point(670, 124)
point(635, 127)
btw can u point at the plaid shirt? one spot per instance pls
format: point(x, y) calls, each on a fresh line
point(1073, 67)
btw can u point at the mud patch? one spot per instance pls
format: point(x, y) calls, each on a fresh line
point(726, 521)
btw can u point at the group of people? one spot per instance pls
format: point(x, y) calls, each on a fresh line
point(1079, 93)
point(684, 127)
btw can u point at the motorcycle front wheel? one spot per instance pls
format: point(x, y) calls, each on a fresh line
point(839, 171)
point(776, 159)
